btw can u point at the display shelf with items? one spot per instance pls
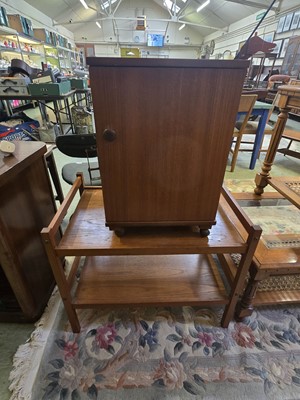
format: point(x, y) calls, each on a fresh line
point(9, 45)
point(80, 58)
point(51, 55)
point(74, 56)
point(64, 57)
point(45, 36)
point(9, 49)
point(20, 24)
point(69, 56)
point(74, 59)
point(61, 41)
point(32, 51)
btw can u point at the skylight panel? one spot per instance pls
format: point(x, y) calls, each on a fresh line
point(106, 4)
point(171, 6)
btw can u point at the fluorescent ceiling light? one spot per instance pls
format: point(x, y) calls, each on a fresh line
point(181, 27)
point(203, 5)
point(84, 4)
point(130, 53)
point(98, 24)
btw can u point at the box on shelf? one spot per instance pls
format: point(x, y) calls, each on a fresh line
point(14, 86)
point(14, 81)
point(13, 90)
point(77, 83)
point(49, 89)
point(20, 24)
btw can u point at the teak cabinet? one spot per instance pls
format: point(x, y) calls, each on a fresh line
point(164, 129)
point(26, 205)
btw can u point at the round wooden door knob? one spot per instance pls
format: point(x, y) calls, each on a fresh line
point(109, 135)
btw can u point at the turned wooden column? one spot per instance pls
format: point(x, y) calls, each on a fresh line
point(245, 307)
point(289, 98)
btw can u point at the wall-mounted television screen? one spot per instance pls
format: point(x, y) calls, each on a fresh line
point(155, 40)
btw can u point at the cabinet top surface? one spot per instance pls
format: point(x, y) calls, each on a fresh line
point(168, 63)
point(25, 153)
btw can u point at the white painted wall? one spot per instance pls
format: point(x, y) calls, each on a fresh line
point(241, 30)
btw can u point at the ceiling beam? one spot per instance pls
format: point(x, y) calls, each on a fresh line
point(109, 18)
point(252, 4)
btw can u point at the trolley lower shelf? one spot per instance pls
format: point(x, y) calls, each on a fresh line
point(152, 280)
point(157, 265)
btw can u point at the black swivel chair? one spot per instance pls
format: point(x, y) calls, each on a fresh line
point(80, 146)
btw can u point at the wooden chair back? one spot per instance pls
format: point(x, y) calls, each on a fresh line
point(246, 105)
point(80, 146)
point(251, 128)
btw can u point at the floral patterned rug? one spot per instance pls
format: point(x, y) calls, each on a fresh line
point(166, 353)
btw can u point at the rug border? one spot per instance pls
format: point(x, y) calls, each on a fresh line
point(27, 358)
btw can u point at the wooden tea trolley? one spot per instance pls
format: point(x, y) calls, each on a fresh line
point(149, 265)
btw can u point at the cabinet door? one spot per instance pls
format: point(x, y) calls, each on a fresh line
point(173, 128)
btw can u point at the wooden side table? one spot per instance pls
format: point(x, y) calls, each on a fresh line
point(282, 259)
point(289, 99)
point(26, 205)
point(274, 262)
